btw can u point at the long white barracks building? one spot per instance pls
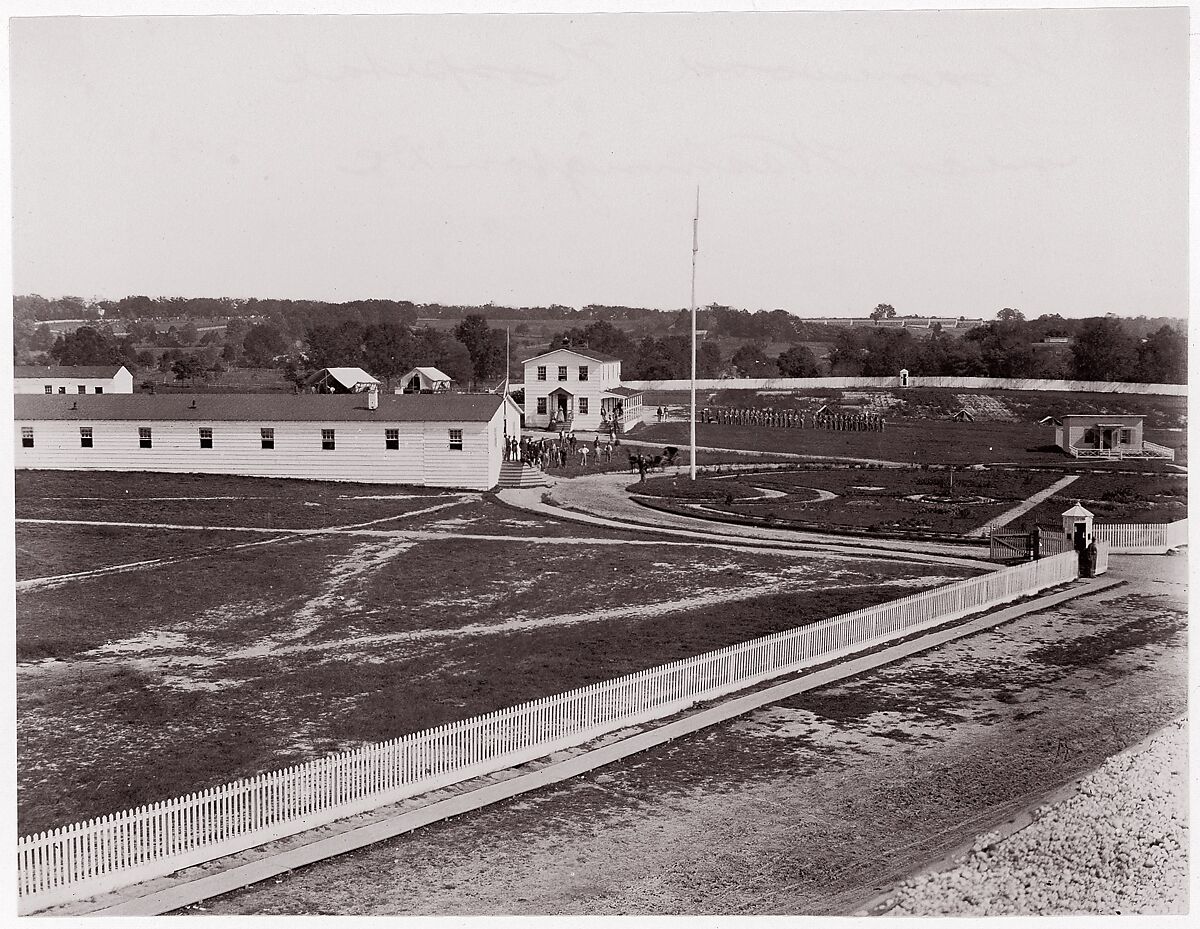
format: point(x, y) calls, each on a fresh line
point(435, 440)
point(579, 389)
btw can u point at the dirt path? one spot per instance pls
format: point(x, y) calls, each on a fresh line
point(1025, 506)
point(809, 806)
point(602, 500)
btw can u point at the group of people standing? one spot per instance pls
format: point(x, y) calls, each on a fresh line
point(547, 452)
point(793, 419)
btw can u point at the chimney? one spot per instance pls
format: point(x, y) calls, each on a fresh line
point(74, 404)
point(373, 398)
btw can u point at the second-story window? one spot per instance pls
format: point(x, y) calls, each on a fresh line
point(327, 443)
point(145, 437)
point(85, 436)
point(205, 437)
point(583, 372)
point(541, 375)
point(267, 435)
point(562, 372)
point(391, 439)
point(27, 437)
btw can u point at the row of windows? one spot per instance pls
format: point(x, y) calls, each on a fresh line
point(583, 406)
point(562, 372)
point(82, 389)
point(391, 438)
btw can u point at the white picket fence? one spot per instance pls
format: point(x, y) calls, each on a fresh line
point(1142, 538)
point(81, 860)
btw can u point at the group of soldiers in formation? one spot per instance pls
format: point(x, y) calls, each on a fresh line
point(548, 452)
point(793, 419)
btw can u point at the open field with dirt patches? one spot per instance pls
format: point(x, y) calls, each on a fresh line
point(811, 806)
point(219, 661)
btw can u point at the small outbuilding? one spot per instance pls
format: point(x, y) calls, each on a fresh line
point(424, 380)
point(1106, 435)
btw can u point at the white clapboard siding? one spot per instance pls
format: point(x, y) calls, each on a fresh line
point(423, 458)
point(114, 851)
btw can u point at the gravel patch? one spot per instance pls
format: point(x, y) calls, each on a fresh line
point(1118, 845)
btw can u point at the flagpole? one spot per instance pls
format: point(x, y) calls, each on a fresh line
point(695, 248)
point(506, 362)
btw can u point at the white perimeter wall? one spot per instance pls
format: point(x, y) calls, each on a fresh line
point(958, 383)
point(424, 457)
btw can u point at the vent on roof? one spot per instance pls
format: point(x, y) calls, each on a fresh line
point(372, 398)
point(74, 404)
point(193, 406)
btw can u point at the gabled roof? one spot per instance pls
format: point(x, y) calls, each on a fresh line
point(432, 374)
point(36, 371)
point(347, 377)
point(265, 408)
point(582, 352)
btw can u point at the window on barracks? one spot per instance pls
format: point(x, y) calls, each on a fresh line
point(145, 437)
point(583, 372)
point(1126, 436)
point(541, 405)
point(391, 439)
point(99, 390)
point(82, 388)
point(205, 437)
point(62, 390)
point(456, 440)
point(85, 436)
point(268, 437)
point(327, 443)
point(541, 375)
point(27, 436)
point(49, 389)
point(583, 406)
point(562, 372)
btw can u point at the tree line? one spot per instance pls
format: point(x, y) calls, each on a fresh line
point(371, 336)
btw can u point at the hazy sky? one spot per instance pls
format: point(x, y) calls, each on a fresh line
point(946, 163)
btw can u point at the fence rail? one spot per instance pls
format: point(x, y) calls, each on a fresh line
point(81, 860)
point(1142, 538)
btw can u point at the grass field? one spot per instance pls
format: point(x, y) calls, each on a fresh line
point(1116, 498)
point(141, 684)
point(937, 403)
point(934, 442)
point(876, 498)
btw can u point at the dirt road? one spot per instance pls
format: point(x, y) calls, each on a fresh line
point(810, 806)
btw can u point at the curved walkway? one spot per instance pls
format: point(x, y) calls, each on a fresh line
point(601, 499)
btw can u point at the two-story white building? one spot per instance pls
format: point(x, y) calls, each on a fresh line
point(72, 379)
point(578, 388)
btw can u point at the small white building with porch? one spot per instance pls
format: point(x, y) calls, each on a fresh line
point(577, 388)
point(1106, 435)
